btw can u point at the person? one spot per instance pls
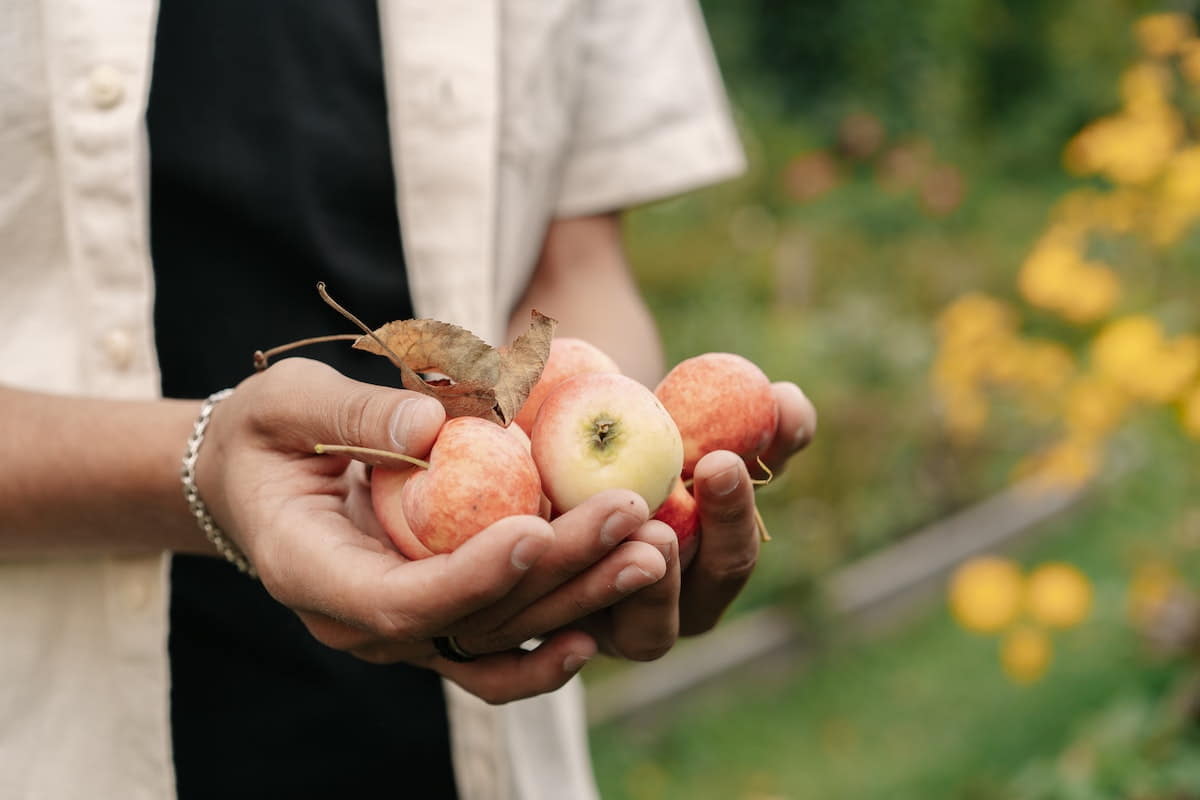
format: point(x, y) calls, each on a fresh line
point(442, 159)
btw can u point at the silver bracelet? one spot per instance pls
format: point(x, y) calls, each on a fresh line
point(214, 534)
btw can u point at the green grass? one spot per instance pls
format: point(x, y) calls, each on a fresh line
point(924, 712)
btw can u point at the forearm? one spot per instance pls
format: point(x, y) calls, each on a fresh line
point(583, 280)
point(84, 476)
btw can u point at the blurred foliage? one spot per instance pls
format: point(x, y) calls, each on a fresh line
point(1140, 745)
point(906, 184)
point(855, 227)
point(926, 712)
point(1107, 269)
point(1006, 81)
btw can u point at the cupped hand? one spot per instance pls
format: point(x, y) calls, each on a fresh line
point(305, 523)
point(728, 543)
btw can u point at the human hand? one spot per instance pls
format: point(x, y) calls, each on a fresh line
point(305, 522)
point(728, 543)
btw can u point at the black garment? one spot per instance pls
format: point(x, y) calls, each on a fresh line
point(271, 170)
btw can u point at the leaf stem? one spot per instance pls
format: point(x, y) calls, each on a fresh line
point(262, 358)
point(336, 306)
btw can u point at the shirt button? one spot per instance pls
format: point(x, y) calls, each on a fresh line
point(106, 86)
point(118, 346)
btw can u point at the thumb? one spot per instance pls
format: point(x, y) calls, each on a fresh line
point(337, 410)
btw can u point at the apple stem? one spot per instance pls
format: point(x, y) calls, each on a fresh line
point(763, 481)
point(369, 455)
point(262, 358)
point(762, 526)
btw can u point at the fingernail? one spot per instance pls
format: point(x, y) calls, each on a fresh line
point(803, 437)
point(633, 578)
point(724, 482)
point(809, 428)
point(574, 662)
point(414, 415)
point(527, 551)
point(616, 528)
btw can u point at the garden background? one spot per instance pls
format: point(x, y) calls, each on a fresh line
point(968, 232)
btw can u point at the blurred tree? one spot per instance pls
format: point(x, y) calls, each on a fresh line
point(1006, 80)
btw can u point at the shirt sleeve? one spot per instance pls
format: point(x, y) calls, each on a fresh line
point(652, 120)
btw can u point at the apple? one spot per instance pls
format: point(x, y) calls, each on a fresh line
point(719, 401)
point(522, 437)
point(478, 474)
point(600, 431)
point(681, 512)
point(568, 357)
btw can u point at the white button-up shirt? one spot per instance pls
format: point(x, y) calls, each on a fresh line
point(504, 114)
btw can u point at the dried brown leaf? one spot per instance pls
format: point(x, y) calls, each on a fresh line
point(484, 381)
point(521, 364)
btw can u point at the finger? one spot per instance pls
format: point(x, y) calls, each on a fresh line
point(796, 427)
point(645, 625)
point(629, 569)
point(328, 567)
point(582, 537)
point(728, 541)
point(517, 674)
point(340, 411)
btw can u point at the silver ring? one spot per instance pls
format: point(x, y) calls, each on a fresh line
point(451, 650)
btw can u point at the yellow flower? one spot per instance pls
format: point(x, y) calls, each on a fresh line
point(985, 593)
point(1178, 200)
point(1165, 376)
point(1047, 274)
point(1160, 35)
point(1058, 595)
point(1025, 654)
point(1097, 289)
point(1133, 353)
point(1181, 183)
point(974, 318)
point(1131, 147)
point(1055, 277)
point(1094, 406)
point(1122, 346)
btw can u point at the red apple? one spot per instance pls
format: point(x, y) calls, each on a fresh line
point(478, 474)
point(568, 357)
point(602, 431)
point(720, 401)
point(681, 512)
